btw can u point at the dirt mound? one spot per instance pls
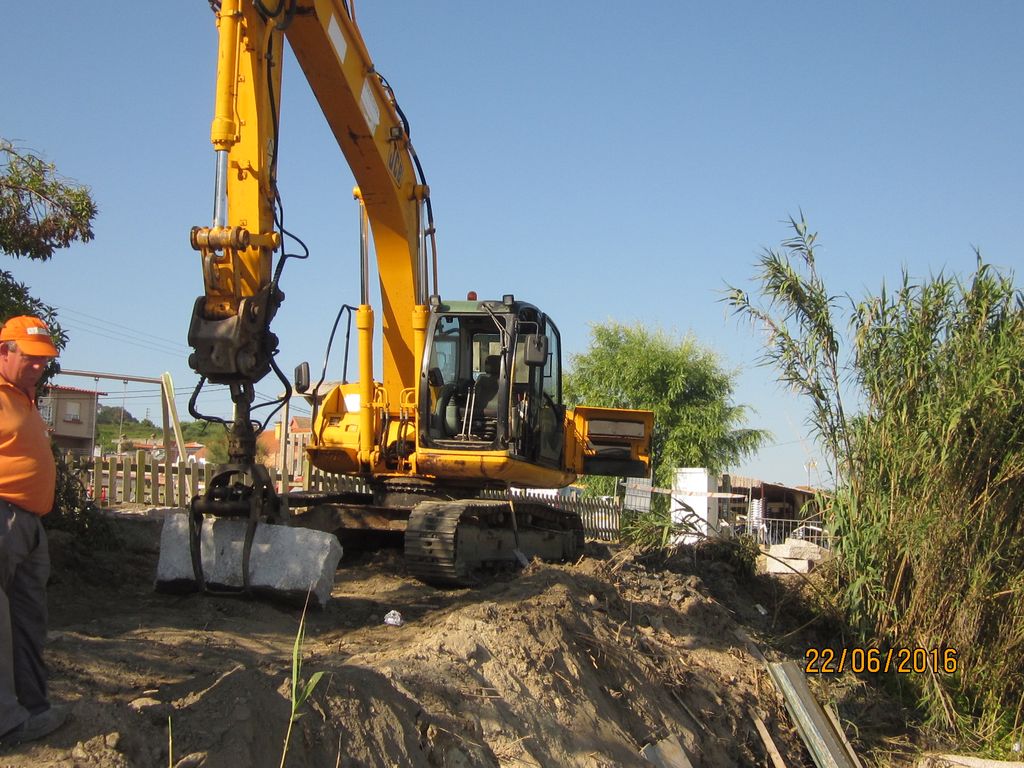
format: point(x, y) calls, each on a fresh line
point(578, 665)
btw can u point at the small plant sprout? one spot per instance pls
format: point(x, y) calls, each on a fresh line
point(300, 692)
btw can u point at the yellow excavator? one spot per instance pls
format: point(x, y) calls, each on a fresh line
point(469, 398)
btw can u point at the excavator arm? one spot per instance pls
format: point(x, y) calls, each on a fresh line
point(230, 326)
point(230, 329)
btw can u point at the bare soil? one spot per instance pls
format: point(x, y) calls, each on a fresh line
point(558, 665)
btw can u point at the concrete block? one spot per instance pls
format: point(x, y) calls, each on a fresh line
point(797, 548)
point(789, 565)
point(284, 562)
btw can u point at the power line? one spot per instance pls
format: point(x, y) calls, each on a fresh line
point(156, 395)
point(120, 338)
point(181, 391)
point(120, 329)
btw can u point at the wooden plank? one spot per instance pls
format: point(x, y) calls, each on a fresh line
point(116, 483)
point(103, 488)
point(111, 486)
point(834, 717)
point(154, 482)
point(766, 739)
point(97, 479)
point(182, 470)
point(140, 476)
point(168, 473)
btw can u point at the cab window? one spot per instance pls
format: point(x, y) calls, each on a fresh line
point(444, 352)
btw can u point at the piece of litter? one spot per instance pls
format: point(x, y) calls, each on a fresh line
point(394, 618)
point(761, 609)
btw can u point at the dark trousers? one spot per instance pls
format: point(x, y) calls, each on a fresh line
point(24, 570)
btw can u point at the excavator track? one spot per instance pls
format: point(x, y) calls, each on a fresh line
point(449, 543)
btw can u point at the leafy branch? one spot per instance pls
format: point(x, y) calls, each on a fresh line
point(802, 340)
point(40, 211)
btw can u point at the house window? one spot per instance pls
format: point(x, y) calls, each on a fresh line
point(72, 412)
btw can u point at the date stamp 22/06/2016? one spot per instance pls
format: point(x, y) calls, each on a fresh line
point(825, 661)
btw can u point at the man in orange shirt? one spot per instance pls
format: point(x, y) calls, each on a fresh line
point(27, 485)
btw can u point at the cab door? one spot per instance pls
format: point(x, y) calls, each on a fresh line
point(552, 412)
point(537, 414)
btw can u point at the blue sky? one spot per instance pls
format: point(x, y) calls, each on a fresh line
point(603, 161)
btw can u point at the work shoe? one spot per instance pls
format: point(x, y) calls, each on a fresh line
point(36, 726)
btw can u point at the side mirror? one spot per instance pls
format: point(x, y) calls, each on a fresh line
point(536, 349)
point(302, 378)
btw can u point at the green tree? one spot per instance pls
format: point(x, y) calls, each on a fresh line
point(39, 212)
point(114, 414)
point(15, 299)
point(696, 423)
point(216, 443)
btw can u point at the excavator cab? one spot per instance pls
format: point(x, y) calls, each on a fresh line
point(491, 409)
point(493, 381)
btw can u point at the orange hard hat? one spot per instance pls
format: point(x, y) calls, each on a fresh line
point(31, 334)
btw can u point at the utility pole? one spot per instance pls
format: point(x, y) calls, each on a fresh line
point(811, 464)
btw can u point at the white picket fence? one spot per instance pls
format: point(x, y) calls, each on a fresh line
point(140, 480)
point(137, 479)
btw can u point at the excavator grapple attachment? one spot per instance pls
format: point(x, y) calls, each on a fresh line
point(236, 539)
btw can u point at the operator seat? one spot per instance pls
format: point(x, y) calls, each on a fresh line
point(486, 402)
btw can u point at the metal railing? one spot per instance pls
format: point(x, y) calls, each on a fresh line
point(601, 516)
point(772, 530)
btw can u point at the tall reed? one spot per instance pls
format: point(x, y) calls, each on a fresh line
point(929, 468)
